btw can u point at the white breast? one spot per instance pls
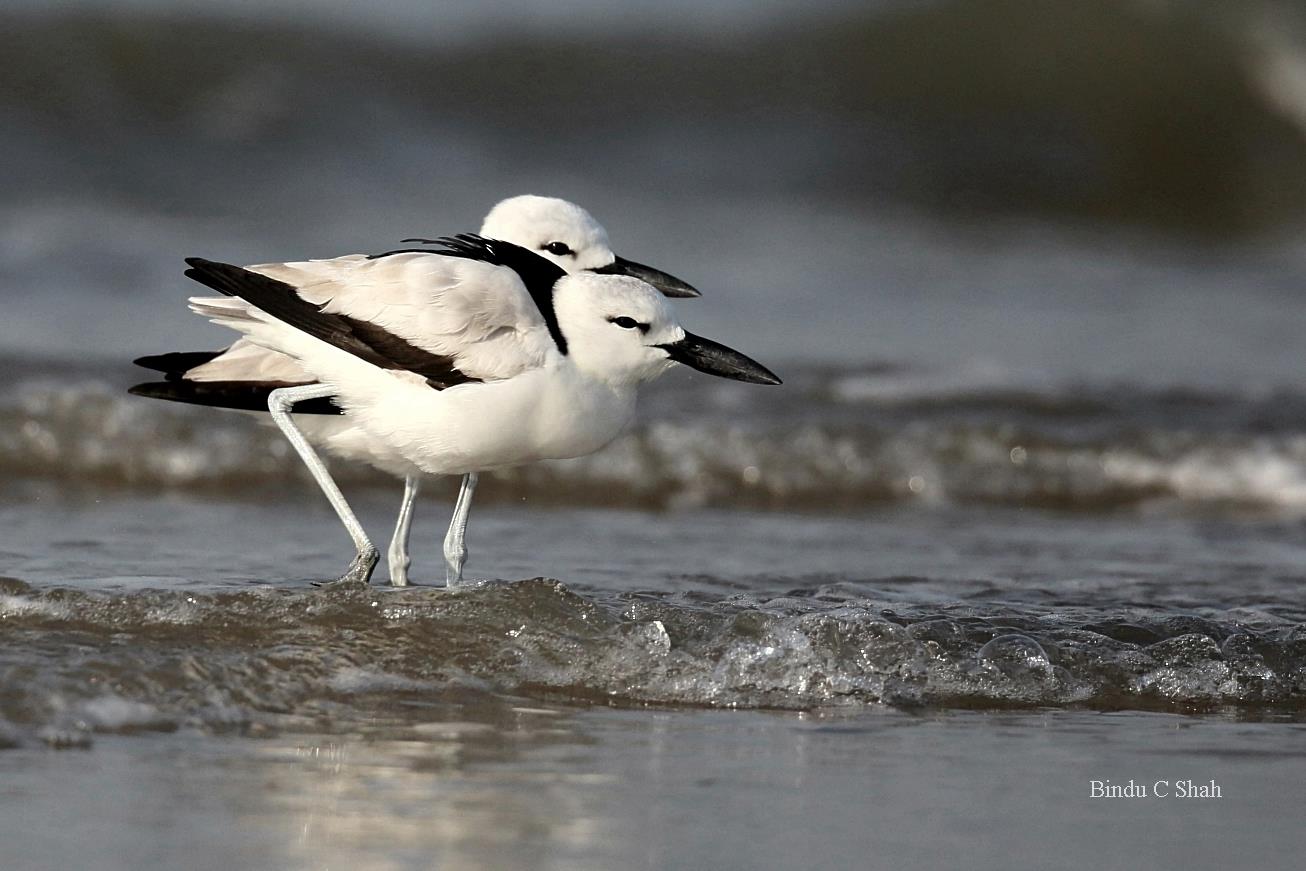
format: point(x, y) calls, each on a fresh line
point(549, 413)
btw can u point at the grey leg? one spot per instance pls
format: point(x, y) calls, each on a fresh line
point(280, 402)
point(398, 555)
point(455, 547)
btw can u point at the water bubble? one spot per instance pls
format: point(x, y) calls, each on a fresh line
point(1240, 645)
point(1015, 656)
point(940, 630)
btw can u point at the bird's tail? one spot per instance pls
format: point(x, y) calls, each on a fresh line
point(238, 395)
point(239, 377)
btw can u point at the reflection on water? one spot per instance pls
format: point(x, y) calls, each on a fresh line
point(493, 783)
point(493, 791)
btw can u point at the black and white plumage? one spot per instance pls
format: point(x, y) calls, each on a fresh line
point(475, 354)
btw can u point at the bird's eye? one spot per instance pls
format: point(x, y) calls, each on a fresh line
point(559, 248)
point(629, 324)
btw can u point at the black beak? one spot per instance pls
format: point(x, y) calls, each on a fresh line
point(668, 284)
point(707, 356)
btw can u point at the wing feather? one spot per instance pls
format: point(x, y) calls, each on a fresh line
point(370, 342)
point(477, 313)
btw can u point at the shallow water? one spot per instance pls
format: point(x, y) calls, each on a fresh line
point(473, 782)
point(955, 608)
point(654, 665)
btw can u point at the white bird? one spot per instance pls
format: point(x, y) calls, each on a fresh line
point(475, 356)
point(244, 375)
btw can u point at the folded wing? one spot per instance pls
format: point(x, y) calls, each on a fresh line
point(452, 316)
point(477, 312)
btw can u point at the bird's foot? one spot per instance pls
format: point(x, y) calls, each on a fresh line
point(358, 574)
point(453, 575)
point(399, 569)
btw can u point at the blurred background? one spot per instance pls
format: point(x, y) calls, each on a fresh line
point(1080, 220)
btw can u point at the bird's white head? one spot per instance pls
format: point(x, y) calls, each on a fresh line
point(621, 331)
point(554, 229)
point(568, 235)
